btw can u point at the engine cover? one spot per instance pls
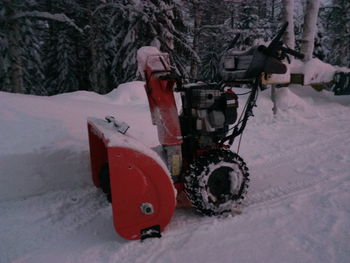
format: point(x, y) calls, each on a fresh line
point(207, 112)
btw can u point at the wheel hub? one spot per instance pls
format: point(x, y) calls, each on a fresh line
point(219, 183)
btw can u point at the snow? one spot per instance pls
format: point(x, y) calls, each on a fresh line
point(125, 95)
point(116, 139)
point(152, 57)
point(316, 71)
point(297, 208)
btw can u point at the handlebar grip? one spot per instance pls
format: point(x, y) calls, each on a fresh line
point(293, 52)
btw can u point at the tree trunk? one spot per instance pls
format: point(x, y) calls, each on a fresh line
point(309, 28)
point(16, 67)
point(288, 16)
point(195, 44)
point(50, 23)
point(289, 40)
point(274, 99)
point(93, 68)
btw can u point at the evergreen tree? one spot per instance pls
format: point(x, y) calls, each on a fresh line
point(238, 26)
point(133, 24)
point(23, 29)
point(4, 47)
point(12, 51)
point(337, 32)
point(208, 33)
point(61, 50)
point(97, 36)
point(61, 64)
point(33, 72)
point(54, 46)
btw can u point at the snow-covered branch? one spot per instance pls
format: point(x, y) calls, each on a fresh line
point(116, 6)
point(48, 16)
point(211, 27)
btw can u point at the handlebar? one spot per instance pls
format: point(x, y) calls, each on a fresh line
point(276, 41)
point(277, 45)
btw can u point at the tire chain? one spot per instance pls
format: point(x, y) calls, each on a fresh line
point(198, 173)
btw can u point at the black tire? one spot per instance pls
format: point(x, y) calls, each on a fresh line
point(216, 182)
point(105, 183)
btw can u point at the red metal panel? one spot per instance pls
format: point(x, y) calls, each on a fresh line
point(137, 179)
point(163, 107)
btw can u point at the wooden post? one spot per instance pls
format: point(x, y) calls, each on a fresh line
point(273, 99)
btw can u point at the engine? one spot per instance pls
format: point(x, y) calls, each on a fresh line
point(207, 112)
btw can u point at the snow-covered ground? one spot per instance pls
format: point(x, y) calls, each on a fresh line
point(297, 210)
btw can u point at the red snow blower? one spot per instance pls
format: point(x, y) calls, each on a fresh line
point(196, 143)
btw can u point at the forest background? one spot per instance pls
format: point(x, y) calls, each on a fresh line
point(49, 47)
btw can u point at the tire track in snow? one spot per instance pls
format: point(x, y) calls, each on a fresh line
point(301, 150)
point(182, 230)
point(281, 192)
point(179, 233)
point(47, 218)
point(314, 154)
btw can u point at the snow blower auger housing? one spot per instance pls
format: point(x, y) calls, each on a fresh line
point(134, 179)
point(196, 143)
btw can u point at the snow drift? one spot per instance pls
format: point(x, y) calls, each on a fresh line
point(297, 208)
